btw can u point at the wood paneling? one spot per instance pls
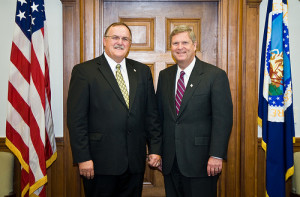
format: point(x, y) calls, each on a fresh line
point(249, 72)
point(142, 30)
point(56, 172)
point(203, 12)
point(230, 53)
point(236, 53)
point(72, 55)
point(161, 0)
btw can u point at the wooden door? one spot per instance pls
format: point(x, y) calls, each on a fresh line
point(236, 51)
point(151, 24)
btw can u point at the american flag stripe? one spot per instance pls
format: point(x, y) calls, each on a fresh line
point(38, 80)
point(18, 103)
point(38, 48)
point(29, 126)
point(21, 41)
point(23, 109)
point(18, 124)
point(19, 82)
point(24, 182)
point(20, 61)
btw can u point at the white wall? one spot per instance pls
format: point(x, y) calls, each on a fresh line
point(54, 22)
point(294, 30)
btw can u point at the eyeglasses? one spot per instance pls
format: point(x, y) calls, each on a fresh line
point(117, 38)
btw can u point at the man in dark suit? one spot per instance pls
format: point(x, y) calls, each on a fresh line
point(195, 106)
point(112, 115)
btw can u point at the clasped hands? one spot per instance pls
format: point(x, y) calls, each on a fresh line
point(154, 161)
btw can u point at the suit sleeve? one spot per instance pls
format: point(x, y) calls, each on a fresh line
point(222, 115)
point(153, 125)
point(77, 115)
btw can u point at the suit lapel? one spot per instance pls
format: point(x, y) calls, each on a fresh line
point(191, 86)
point(110, 78)
point(132, 76)
point(171, 88)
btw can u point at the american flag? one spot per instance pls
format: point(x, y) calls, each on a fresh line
point(29, 125)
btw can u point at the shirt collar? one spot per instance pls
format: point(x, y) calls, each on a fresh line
point(188, 69)
point(113, 64)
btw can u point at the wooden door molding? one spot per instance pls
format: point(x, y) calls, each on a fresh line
point(254, 2)
point(249, 99)
point(237, 54)
point(68, 1)
point(228, 60)
point(71, 52)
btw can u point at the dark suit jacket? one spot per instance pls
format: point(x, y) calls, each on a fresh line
point(102, 128)
point(203, 125)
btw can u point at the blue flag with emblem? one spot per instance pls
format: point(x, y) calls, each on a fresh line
point(275, 109)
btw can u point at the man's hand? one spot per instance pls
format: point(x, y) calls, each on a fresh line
point(214, 166)
point(86, 169)
point(154, 160)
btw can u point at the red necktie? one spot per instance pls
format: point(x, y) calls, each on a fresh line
point(180, 91)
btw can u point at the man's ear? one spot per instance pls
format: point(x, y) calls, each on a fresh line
point(104, 41)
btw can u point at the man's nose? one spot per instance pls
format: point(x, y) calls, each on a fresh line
point(180, 45)
point(120, 41)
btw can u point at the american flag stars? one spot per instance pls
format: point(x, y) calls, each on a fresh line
point(30, 15)
point(21, 15)
point(22, 1)
point(34, 7)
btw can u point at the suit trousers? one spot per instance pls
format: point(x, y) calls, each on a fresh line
point(178, 185)
point(125, 185)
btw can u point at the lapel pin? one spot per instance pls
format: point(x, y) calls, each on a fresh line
point(191, 85)
point(134, 70)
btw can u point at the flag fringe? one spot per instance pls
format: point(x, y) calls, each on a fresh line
point(259, 121)
point(18, 154)
point(38, 184)
point(289, 173)
point(264, 145)
point(51, 160)
point(25, 190)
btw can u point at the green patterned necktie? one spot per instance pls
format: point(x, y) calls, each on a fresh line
point(122, 84)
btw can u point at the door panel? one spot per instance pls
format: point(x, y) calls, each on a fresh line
point(151, 23)
point(162, 13)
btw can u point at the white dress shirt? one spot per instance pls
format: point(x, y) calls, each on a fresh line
point(186, 76)
point(123, 69)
